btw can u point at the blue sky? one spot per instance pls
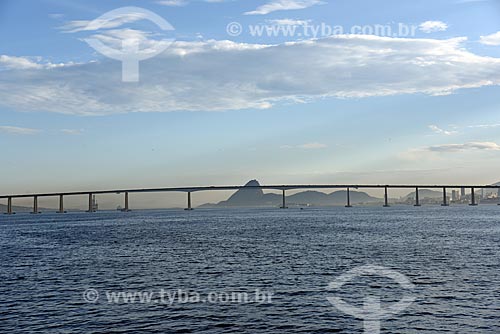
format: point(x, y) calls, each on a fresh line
point(221, 108)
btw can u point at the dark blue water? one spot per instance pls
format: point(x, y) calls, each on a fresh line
point(451, 255)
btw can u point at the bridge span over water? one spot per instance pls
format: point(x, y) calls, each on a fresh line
point(282, 188)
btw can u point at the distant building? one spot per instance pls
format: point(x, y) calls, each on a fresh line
point(454, 196)
point(462, 193)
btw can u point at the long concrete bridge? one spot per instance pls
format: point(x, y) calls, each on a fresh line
point(282, 188)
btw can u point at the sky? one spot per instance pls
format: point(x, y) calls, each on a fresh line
point(283, 91)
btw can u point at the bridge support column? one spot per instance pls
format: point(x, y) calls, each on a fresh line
point(445, 200)
point(9, 206)
point(91, 204)
point(386, 198)
point(472, 197)
point(417, 199)
point(283, 204)
point(61, 204)
point(348, 205)
point(189, 207)
point(126, 208)
point(35, 205)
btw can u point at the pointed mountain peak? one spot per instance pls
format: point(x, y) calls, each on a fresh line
point(252, 183)
point(245, 197)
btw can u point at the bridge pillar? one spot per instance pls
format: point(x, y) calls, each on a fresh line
point(61, 204)
point(348, 205)
point(445, 200)
point(91, 204)
point(417, 200)
point(126, 208)
point(9, 206)
point(35, 205)
point(283, 204)
point(386, 198)
point(189, 207)
point(472, 197)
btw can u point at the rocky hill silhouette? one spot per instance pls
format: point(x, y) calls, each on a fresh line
point(255, 197)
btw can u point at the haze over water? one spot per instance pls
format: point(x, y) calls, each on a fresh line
point(451, 255)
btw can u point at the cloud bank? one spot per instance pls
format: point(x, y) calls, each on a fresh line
point(26, 63)
point(224, 75)
point(440, 131)
point(472, 146)
point(15, 130)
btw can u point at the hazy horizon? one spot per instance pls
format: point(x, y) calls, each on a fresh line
point(418, 107)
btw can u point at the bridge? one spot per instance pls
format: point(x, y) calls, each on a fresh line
point(282, 188)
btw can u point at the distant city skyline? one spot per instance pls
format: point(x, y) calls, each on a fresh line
point(220, 108)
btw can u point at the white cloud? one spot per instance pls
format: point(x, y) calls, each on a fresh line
point(17, 130)
point(312, 146)
point(471, 1)
point(471, 146)
point(28, 63)
point(306, 146)
point(493, 39)
point(114, 38)
point(289, 22)
point(72, 131)
point(97, 24)
point(180, 3)
point(21, 63)
point(436, 152)
point(173, 3)
point(440, 131)
point(484, 126)
point(224, 75)
point(433, 26)
point(275, 5)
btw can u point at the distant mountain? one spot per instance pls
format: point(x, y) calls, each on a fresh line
point(3, 208)
point(317, 198)
point(254, 197)
point(250, 197)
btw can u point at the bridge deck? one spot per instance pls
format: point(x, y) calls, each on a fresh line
point(267, 187)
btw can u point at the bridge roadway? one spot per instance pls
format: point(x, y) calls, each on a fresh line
point(282, 188)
